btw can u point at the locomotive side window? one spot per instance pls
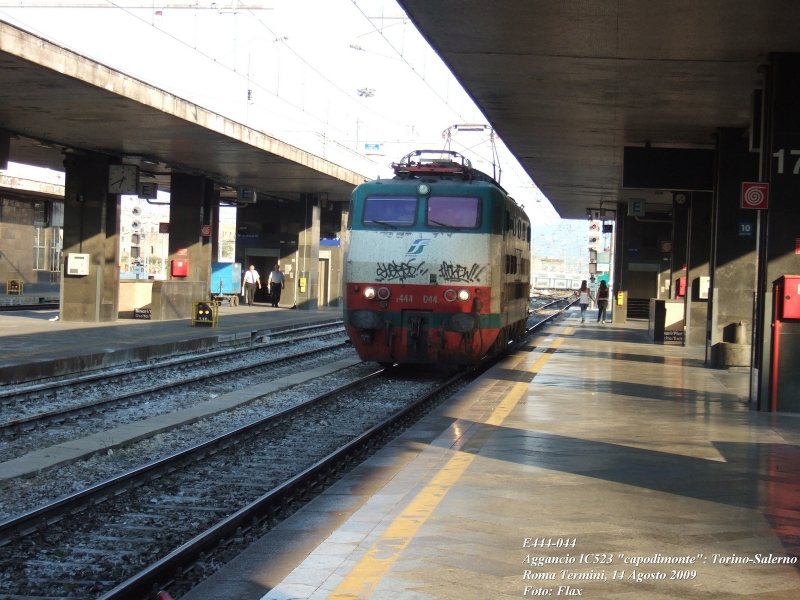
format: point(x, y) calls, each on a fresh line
point(452, 211)
point(391, 211)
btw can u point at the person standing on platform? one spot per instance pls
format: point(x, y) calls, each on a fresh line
point(602, 302)
point(251, 279)
point(276, 283)
point(584, 298)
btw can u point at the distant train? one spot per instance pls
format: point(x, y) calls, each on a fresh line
point(437, 265)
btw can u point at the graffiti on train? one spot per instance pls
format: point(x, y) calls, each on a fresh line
point(394, 271)
point(455, 273)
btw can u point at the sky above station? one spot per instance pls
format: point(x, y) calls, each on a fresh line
point(351, 81)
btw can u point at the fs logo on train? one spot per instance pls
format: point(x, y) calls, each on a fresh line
point(418, 246)
point(755, 195)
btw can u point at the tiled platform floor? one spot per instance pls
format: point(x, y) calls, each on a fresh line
point(635, 451)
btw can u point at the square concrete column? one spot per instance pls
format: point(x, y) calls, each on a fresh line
point(617, 303)
point(211, 217)
point(308, 255)
point(698, 255)
point(191, 199)
point(779, 233)
point(680, 246)
point(91, 226)
point(733, 256)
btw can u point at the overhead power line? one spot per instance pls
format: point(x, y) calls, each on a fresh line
point(218, 6)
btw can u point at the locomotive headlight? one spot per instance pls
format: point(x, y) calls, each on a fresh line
point(463, 295)
point(369, 293)
point(383, 293)
point(423, 189)
point(450, 295)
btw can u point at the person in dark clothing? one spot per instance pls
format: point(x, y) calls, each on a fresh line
point(276, 283)
point(602, 302)
point(251, 279)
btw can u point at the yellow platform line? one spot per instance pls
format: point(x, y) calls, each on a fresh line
point(368, 572)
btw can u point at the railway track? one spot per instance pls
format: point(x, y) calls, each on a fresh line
point(27, 433)
point(52, 388)
point(27, 399)
point(18, 307)
point(120, 538)
point(105, 534)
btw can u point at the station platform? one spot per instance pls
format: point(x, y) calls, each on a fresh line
point(33, 346)
point(590, 463)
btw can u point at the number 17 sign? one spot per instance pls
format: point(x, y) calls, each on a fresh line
point(755, 195)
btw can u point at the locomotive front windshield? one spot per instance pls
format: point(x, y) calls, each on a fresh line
point(394, 211)
point(451, 211)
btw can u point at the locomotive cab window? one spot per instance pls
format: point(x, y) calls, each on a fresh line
point(454, 212)
point(390, 211)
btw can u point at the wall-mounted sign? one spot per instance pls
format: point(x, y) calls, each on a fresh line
point(246, 194)
point(636, 207)
point(755, 195)
point(182, 252)
point(148, 190)
point(705, 284)
point(746, 228)
point(163, 228)
point(205, 230)
point(667, 246)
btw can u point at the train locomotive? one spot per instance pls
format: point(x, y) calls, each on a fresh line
point(437, 264)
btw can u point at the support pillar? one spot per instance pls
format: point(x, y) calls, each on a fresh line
point(779, 225)
point(5, 148)
point(91, 226)
point(619, 312)
point(698, 255)
point(680, 247)
point(308, 255)
point(733, 256)
point(189, 208)
point(212, 218)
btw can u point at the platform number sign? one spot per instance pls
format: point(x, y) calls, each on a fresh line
point(781, 156)
point(746, 228)
point(755, 195)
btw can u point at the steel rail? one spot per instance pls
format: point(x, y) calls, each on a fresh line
point(161, 572)
point(546, 320)
point(549, 304)
point(268, 505)
point(176, 362)
point(31, 421)
point(17, 307)
point(52, 512)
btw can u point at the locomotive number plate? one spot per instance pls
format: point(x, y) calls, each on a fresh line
point(430, 299)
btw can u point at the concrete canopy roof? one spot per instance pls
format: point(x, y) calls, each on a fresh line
point(568, 83)
point(53, 98)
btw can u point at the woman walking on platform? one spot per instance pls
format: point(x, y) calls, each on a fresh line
point(602, 302)
point(584, 298)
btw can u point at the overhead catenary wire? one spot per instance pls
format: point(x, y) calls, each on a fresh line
point(230, 69)
point(400, 54)
point(323, 76)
